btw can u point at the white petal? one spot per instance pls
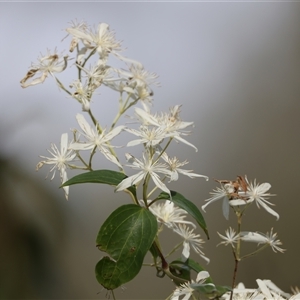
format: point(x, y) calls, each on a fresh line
point(248, 236)
point(202, 275)
point(159, 183)
point(129, 181)
point(64, 143)
point(102, 29)
point(185, 142)
point(225, 208)
point(79, 34)
point(268, 209)
point(81, 146)
point(113, 133)
point(264, 187)
point(84, 125)
point(237, 202)
point(185, 251)
point(264, 288)
point(109, 156)
point(214, 199)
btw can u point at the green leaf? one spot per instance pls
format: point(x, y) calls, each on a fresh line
point(180, 271)
point(191, 265)
point(100, 176)
point(126, 236)
point(208, 289)
point(188, 206)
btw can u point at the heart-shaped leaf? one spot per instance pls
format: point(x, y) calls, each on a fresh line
point(126, 236)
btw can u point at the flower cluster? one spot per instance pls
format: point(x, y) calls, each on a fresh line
point(241, 192)
point(153, 169)
point(266, 290)
point(154, 132)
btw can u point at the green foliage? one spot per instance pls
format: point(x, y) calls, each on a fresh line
point(100, 176)
point(126, 236)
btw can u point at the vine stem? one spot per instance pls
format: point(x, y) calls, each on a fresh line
point(237, 252)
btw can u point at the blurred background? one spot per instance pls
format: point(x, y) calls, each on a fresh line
point(235, 68)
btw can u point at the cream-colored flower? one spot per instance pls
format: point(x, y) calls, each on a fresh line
point(148, 165)
point(230, 239)
point(190, 240)
point(258, 193)
point(94, 139)
point(169, 214)
point(60, 160)
point(47, 64)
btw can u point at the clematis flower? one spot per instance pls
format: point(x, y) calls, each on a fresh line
point(169, 214)
point(258, 193)
point(146, 166)
point(76, 26)
point(187, 289)
point(169, 122)
point(60, 160)
point(175, 165)
point(48, 64)
point(220, 194)
point(266, 290)
point(82, 94)
point(191, 240)
point(230, 237)
point(260, 238)
point(151, 137)
point(102, 39)
point(96, 139)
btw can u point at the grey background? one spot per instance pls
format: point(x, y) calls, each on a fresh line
point(235, 69)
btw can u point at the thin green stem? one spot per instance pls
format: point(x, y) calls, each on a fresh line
point(255, 252)
point(122, 109)
point(236, 253)
point(145, 188)
point(174, 249)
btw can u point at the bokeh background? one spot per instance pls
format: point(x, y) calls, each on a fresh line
point(235, 68)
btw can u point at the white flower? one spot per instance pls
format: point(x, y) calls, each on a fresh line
point(230, 238)
point(96, 139)
point(169, 122)
point(149, 137)
point(175, 165)
point(266, 290)
point(190, 240)
point(147, 166)
point(82, 94)
point(260, 238)
point(102, 39)
point(76, 26)
point(61, 160)
point(96, 75)
point(138, 76)
point(241, 293)
point(187, 289)
point(275, 290)
point(48, 64)
point(257, 193)
point(222, 193)
point(169, 214)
